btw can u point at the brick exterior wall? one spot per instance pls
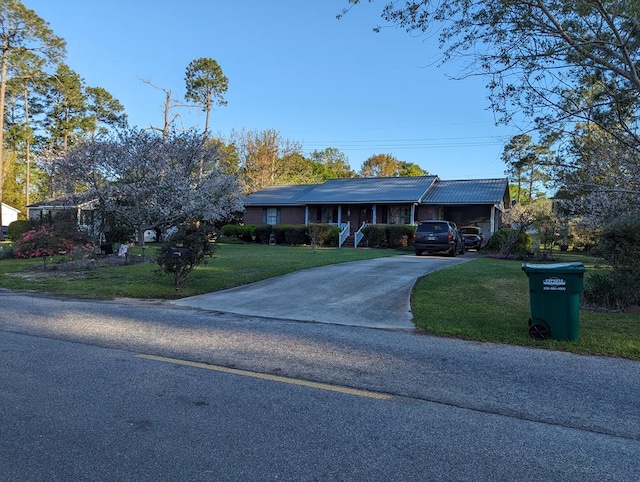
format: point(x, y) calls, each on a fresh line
point(288, 215)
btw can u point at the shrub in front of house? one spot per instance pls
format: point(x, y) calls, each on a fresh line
point(375, 236)
point(7, 251)
point(293, 234)
point(16, 229)
point(510, 241)
point(400, 235)
point(262, 233)
point(245, 232)
point(45, 242)
point(619, 244)
point(296, 234)
point(280, 233)
point(324, 234)
point(118, 234)
point(388, 235)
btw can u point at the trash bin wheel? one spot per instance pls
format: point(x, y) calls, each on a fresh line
point(538, 331)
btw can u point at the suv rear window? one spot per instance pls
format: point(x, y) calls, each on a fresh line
point(433, 227)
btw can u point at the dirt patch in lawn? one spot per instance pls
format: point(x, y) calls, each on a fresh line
point(78, 268)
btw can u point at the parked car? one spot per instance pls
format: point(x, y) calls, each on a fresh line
point(438, 236)
point(474, 237)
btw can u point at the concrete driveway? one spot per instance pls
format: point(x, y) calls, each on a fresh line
point(373, 293)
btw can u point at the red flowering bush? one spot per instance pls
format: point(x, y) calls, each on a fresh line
point(45, 242)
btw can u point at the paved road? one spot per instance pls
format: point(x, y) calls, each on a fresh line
point(374, 293)
point(77, 403)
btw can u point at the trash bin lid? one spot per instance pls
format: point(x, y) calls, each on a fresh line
point(558, 267)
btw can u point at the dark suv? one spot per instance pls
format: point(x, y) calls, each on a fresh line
point(438, 235)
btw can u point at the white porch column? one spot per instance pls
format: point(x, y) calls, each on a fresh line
point(413, 214)
point(339, 215)
point(306, 215)
point(493, 220)
point(374, 215)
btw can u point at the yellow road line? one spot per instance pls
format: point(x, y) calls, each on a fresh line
point(272, 378)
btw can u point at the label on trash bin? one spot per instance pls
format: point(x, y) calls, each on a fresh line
point(554, 284)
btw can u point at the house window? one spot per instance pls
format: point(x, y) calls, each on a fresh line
point(329, 214)
point(86, 217)
point(399, 214)
point(271, 216)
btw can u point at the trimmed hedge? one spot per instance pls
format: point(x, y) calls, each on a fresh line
point(388, 235)
point(293, 234)
point(325, 234)
point(262, 232)
point(245, 232)
point(522, 246)
point(379, 236)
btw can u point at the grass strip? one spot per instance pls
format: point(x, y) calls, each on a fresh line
point(488, 300)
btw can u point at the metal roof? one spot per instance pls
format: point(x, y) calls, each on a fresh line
point(383, 190)
point(473, 191)
point(68, 201)
point(378, 190)
point(278, 195)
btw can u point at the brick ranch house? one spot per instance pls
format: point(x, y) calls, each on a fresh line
point(352, 204)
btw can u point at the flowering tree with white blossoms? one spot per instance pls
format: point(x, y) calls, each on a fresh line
point(147, 182)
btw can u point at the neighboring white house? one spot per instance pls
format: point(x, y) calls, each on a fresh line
point(9, 215)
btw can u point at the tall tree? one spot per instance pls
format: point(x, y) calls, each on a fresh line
point(599, 177)
point(104, 111)
point(206, 85)
point(380, 165)
point(409, 169)
point(27, 83)
point(68, 116)
point(21, 28)
point(264, 156)
point(527, 163)
point(514, 156)
point(331, 163)
point(386, 165)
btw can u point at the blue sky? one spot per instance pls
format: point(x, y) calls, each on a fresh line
point(293, 67)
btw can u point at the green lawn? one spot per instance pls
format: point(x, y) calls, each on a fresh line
point(232, 265)
point(488, 300)
point(484, 299)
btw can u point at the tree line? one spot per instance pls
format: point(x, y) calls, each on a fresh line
point(48, 110)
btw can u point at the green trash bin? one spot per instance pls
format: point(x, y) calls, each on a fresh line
point(554, 295)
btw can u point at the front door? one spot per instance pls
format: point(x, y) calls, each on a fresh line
point(365, 215)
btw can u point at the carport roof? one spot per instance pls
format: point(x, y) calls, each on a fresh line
point(473, 191)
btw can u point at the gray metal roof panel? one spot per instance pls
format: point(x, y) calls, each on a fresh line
point(69, 200)
point(369, 190)
point(278, 195)
point(473, 191)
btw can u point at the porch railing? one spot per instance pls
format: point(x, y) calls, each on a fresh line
point(345, 231)
point(359, 235)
